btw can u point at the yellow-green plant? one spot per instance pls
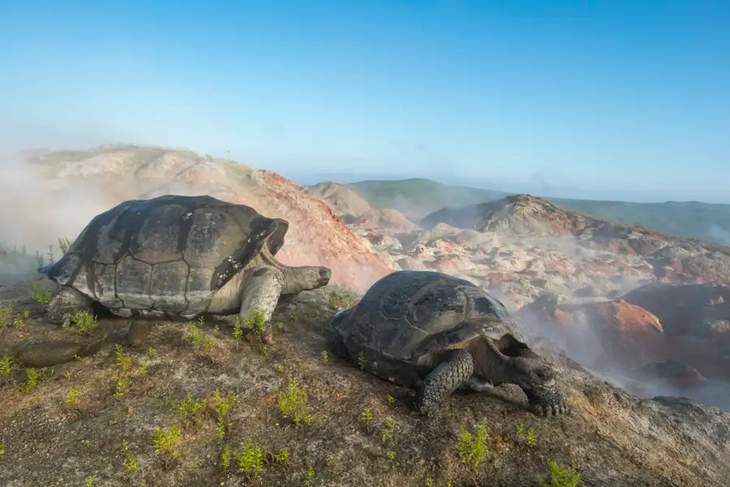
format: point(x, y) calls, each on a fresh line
point(367, 416)
point(388, 431)
point(310, 474)
point(390, 455)
point(562, 476)
point(124, 360)
point(121, 384)
point(32, 376)
point(64, 244)
point(473, 448)
point(222, 408)
point(190, 409)
point(361, 360)
point(130, 462)
point(325, 357)
point(72, 398)
point(43, 297)
point(294, 402)
point(90, 481)
point(82, 322)
point(6, 365)
point(250, 460)
point(226, 456)
point(19, 320)
point(255, 320)
point(201, 341)
point(166, 443)
point(6, 316)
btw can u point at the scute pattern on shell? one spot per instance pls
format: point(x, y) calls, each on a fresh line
point(408, 313)
point(168, 254)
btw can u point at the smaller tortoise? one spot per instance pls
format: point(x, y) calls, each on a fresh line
point(437, 333)
point(174, 257)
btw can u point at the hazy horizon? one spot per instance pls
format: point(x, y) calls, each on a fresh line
point(620, 101)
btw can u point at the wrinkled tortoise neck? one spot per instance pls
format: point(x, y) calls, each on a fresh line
point(291, 275)
point(489, 362)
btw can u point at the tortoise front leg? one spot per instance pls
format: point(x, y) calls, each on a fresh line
point(453, 372)
point(261, 293)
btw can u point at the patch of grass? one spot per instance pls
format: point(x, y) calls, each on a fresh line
point(473, 448)
point(294, 403)
point(562, 476)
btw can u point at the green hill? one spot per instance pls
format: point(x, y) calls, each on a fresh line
point(418, 197)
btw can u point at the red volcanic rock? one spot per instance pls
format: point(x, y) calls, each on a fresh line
point(626, 332)
point(697, 309)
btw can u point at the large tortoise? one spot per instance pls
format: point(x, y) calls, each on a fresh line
point(174, 257)
point(437, 333)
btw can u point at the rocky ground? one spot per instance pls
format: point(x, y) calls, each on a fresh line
point(627, 313)
point(99, 417)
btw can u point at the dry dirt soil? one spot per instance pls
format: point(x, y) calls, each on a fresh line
point(612, 438)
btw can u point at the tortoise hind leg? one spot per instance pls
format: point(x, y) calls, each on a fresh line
point(261, 293)
point(65, 303)
point(449, 375)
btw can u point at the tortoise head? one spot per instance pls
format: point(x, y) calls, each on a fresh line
point(532, 374)
point(305, 278)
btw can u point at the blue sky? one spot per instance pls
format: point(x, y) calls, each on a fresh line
point(614, 99)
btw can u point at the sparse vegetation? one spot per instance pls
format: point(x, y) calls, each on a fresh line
point(473, 448)
point(31, 380)
point(562, 476)
point(222, 408)
point(294, 403)
point(166, 443)
point(201, 341)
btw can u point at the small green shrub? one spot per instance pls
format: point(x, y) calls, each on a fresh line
point(201, 341)
point(222, 408)
point(166, 443)
point(562, 476)
point(473, 447)
point(294, 403)
point(82, 323)
point(31, 380)
point(250, 460)
point(6, 365)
